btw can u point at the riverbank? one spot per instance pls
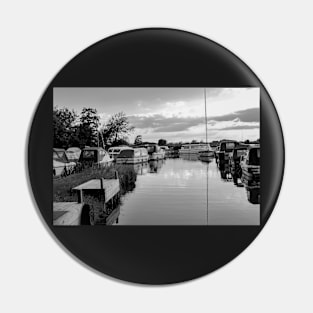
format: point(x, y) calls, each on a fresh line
point(62, 187)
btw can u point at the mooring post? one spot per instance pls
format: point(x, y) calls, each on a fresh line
point(102, 189)
point(80, 196)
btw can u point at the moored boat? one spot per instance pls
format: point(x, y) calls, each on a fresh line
point(250, 166)
point(206, 155)
point(61, 164)
point(94, 156)
point(73, 154)
point(115, 151)
point(224, 149)
point(234, 159)
point(193, 148)
point(155, 152)
point(132, 156)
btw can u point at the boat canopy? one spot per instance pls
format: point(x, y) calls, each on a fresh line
point(133, 152)
point(92, 155)
point(60, 155)
point(228, 146)
point(254, 156)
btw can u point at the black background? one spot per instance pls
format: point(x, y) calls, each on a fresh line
point(155, 58)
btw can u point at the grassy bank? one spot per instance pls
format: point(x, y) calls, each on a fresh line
point(62, 187)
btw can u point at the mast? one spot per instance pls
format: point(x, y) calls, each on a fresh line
point(206, 118)
point(207, 169)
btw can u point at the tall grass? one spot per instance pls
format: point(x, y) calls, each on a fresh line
point(62, 187)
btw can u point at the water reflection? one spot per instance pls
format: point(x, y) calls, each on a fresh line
point(189, 157)
point(234, 174)
point(180, 192)
point(155, 166)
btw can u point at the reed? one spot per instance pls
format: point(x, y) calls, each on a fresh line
point(62, 187)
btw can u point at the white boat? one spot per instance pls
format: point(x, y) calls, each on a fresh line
point(73, 153)
point(193, 148)
point(95, 156)
point(132, 156)
point(250, 167)
point(61, 164)
point(206, 155)
point(155, 152)
point(115, 151)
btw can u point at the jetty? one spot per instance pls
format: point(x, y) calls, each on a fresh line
point(103, 190)
point(108, 187)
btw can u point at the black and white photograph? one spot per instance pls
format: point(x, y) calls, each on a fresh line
point(156, 156)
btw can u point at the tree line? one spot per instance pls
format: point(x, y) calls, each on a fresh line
point(79, 130)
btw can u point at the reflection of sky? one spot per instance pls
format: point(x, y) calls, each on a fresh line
point(177, 195)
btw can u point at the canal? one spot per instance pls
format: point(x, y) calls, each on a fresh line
point(186, 192)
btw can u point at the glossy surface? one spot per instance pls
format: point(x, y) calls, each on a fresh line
point(186, 192)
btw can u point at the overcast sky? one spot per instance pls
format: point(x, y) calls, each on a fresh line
point(175, 114)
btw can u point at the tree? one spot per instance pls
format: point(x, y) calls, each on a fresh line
point(120, 142)
point(116, 128)
point(138, 140)
point(63, 127)
point(194, 141)
point(87, 131)
point(162, 142)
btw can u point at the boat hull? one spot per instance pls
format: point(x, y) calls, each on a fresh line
point(134, 160)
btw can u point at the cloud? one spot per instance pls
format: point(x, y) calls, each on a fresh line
point(248, 115)
point(238, 127)
point(160, 123)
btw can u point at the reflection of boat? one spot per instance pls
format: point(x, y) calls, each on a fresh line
point(61, 163)
point(172, 152)
point(166, 150)
point(73, 154)
point(250, 166)
point(189, 157)
point(206, 155)
point(193, 148)
point(139, 168)
point(253, 195)
point(234, 159)
point(132, 156)
point(225, 172)
point(94, 156)
point(115, 151)
point(155, 166)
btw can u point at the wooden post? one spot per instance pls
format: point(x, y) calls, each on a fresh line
point(80, 196)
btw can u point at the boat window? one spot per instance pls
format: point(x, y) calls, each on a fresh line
point(230, 146)
point(127, 153)
point(90, 155)
point(241, 152)
point(60, 156)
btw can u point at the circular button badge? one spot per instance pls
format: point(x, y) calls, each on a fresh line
point(156, 156)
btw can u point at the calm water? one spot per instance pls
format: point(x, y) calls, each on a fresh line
point(186, 192)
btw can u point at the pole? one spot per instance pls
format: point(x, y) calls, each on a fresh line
point(206, 118)
point(207, 169)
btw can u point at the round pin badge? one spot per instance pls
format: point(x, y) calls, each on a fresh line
point(155, 156)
